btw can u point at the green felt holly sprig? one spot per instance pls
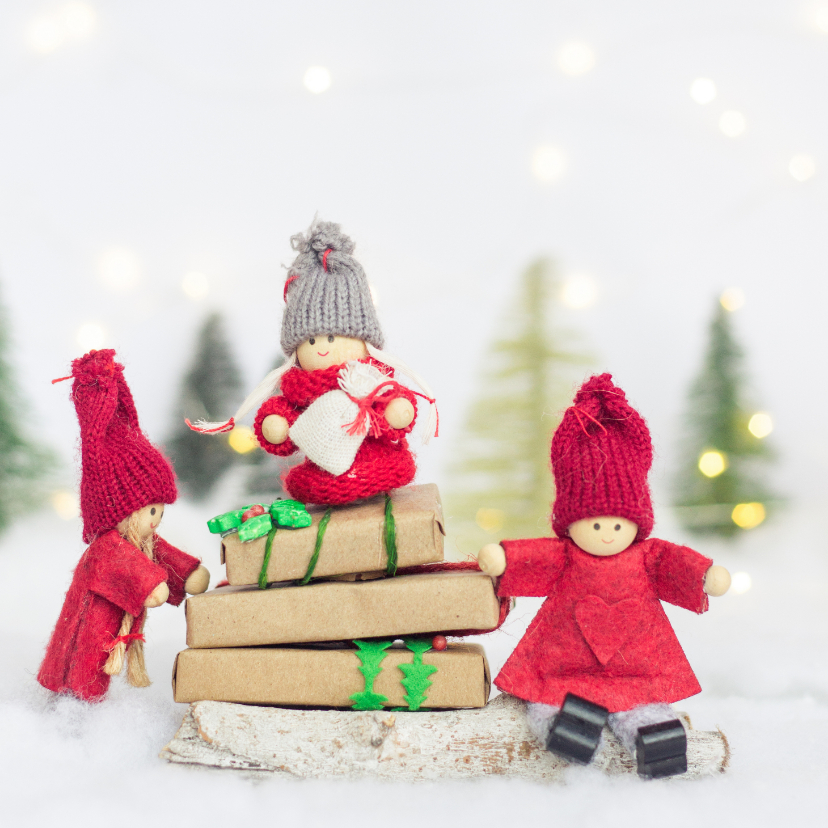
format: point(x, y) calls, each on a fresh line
point(256, 520)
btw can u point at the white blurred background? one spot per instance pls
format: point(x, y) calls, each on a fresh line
point(155, 158)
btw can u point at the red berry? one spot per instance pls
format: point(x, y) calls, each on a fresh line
point(253, 511)
point(439, 642)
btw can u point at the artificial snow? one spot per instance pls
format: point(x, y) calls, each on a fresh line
point(761, 657)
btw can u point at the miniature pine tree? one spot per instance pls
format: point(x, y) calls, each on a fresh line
point(500, 484)
point(211, 388)
point(264, 477)
point(719, 487)
point(23, 464)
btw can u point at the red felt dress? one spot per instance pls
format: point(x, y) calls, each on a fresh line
point(112, 577)
point(602, 633)
point(382, 462)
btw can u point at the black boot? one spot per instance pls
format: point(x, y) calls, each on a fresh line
point(661, 749)
point(576, 731)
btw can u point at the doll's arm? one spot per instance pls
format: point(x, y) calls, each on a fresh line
point(677, 574)
point(124, 575)
point(527, 567)
point(398, 412)
point(272, 434)
point(184, 572)
point(716, 581)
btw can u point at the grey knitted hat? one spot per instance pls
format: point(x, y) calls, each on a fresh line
point(326, 291)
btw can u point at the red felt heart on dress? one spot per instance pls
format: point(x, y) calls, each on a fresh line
point(607, 627)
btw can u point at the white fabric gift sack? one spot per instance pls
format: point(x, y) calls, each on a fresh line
point(322, 430)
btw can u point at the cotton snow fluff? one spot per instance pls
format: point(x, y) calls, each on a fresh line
point(601, 456)
point(326, 291)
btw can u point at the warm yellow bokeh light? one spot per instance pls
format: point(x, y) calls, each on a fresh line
point(576, 58)
point(317, 80)
point(119, 268)
point(712, 463)
point(548, 163)
point(821, 19)
point(703, 90)
point(748, 515)
point(66, 504)
point(51, 30)
point(802, 167)
point(732, 123)
point(732, 299)
point(195, 285)
point(91, 335)
point(760, 424)
point(579, 291)
point(490, 520)
point(740, 583)
point(242, 439)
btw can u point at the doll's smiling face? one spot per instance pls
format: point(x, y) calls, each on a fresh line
point(147, 521)
point(603, 535)
point(323, 351)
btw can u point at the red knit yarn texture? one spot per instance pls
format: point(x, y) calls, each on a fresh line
point(384, 461)
point(121, 470)
point(601, 456)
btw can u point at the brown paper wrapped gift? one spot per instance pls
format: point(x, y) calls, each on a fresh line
point(291, 676)
point(353, 541)
point(342, 610)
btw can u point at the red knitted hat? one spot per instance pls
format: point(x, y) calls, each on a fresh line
point(121, 470)
point(601, 455)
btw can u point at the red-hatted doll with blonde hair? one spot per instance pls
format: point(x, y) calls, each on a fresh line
point(125, 484)
point(601, 649)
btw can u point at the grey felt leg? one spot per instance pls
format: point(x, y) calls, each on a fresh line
point(539, 717)
point(625, 724)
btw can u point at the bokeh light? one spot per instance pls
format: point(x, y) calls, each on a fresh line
point(548, 163)
point(317, 79)
point(576, 58)
point(119, 268)
point(732, 299)
point(66, 504)
point(703, 90)
point(821, 19)
point(579, 291)
point(50, 30)
point(490, 520)
point(748, 515)
point(740, 583)
point(242, 439)
point(760, 425)
point(195, 285)
point(802, 167)
point(712, 463)
point(91, 335)
point(732, 123)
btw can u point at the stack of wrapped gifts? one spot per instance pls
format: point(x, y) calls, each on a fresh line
point(342, 607)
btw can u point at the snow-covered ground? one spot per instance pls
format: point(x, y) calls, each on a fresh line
point(761, 656)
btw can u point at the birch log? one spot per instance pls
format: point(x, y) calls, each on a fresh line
point(404, 746)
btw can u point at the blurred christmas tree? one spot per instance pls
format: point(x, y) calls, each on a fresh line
point(500, 483)
point(24, 465)
point(720, 488)
point(264, 478)
point(211, 389)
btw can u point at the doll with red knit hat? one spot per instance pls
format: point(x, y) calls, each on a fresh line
point(125, 484)
point(601, 649)
point(339, 403)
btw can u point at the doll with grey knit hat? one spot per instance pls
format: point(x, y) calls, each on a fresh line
point(339, 403)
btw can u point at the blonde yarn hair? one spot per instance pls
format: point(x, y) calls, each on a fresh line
point(134, 654)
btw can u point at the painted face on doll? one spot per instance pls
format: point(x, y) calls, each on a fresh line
point(326, 350)
point(148, 519)
point(603, 535)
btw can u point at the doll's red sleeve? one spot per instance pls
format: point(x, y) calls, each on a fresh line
point(280, 406)
point(389, 434)
point(124, 575)
point(179, 566)
point(532, 567)
point(677, 574)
